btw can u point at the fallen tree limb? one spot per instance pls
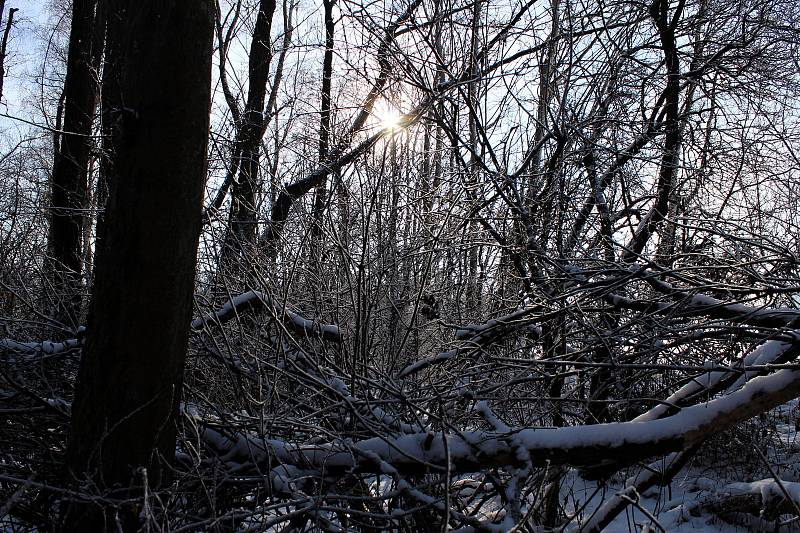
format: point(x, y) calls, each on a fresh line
point(766, 497)
point(243, 303)
point(686, 305)
point(711, 382)
point(659, 472)
point(38, 349)
point(469, 451)
point(257, 301)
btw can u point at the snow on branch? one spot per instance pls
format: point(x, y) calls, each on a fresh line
point(659, 472)
point(256, 301)
point(769, 498)
point(706, 305)
point(470, 451)
point(764, 354)
point(701, 305)
point(248, 301)
point(38, 349)
point(687, 305)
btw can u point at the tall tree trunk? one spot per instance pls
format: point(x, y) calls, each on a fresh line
point(665, 24)
point(4, 45)
point(242, 219)
point(130, 379)
point(318, 251)
point(71, 165)
point(325, 115)
point(473, 95)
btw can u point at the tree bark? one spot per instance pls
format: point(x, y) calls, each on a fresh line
point(71, 165)
point(325, 116)
point(129, 385)
point(242, 219)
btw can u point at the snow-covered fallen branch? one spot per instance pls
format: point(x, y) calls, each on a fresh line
point(685, 304)
point(256, 301)
point(248, 301)
point(470, 451)
point(706, 383)
point(36, 350)
point(657, 473)
point(763, 316)
point(766, 497)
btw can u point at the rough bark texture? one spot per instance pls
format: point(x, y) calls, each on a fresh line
point(130, 378)
point(70, 168)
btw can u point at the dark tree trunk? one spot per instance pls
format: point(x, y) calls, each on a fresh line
point(130, 379)
point(659, 11)
point(242, 229)
point(4, 45)
point(70, 168)
point(325, 115)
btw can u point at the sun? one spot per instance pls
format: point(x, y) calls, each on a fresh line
point(389, 118)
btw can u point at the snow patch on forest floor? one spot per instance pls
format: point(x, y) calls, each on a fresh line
point(671, 508)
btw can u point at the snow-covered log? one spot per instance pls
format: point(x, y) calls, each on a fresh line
point(38, 349)
point(685, 304)
point(769, 498)
point(469, 451)
point(248, 301)
point(706, 383)
point(256, 301)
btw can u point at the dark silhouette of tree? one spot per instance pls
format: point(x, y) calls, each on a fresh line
point(4, 43)
point(130, 378)
point(324, 112)
point(70, 181)
point(252, 123)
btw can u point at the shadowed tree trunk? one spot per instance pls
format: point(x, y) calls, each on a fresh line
point(70, 168)
point(325, 115)
point(318, 251)
point(4, 45)
point(242, 229)
point(130, 378)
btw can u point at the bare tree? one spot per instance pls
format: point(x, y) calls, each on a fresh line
point(4, 43)
point(559, 279)
point(71, 185)
point(251, 125)
point(127, 394)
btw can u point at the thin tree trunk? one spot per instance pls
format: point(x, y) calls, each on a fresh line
point(242, 229)
point(129, 384)
point(473, 90)
point(71, 165)
point(317, 250)
point(325, 116)
point(4, 45)
point(659, 11)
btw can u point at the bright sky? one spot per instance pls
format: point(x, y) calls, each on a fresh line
point(21, 65)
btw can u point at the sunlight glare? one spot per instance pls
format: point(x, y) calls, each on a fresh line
point(390, 118)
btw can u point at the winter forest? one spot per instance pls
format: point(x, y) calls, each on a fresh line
point(399, 265)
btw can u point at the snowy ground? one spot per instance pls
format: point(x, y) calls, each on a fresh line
point(728, 464)
point(668, 508)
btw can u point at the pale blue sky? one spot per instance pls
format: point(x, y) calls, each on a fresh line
point(21, 64)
